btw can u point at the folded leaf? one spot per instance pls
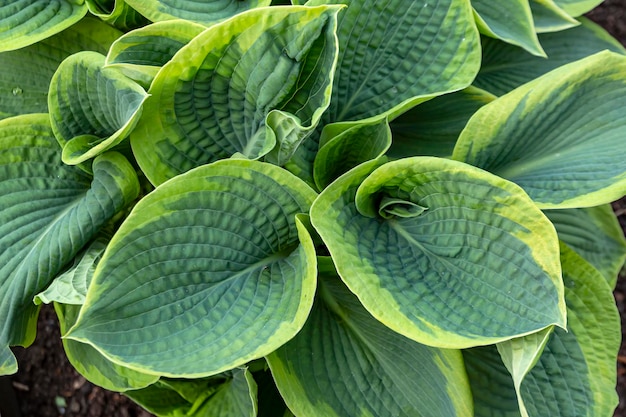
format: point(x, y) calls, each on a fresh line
point(48, 212)
point(92, 108)
point(328, 369)
point(260, 79)
point(478, 265)
point(549, 17)
point(559, 137)
point(210, 270)
point(577, 7)
point(117, 13)
point(25, 22)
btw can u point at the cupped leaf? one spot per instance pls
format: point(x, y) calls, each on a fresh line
point(92, 108)
point(117, 13)
point(342, 151)
point(259, 79)
point(324, 370)
point(141, 53)
point(596, 235)
point(505, 67)
point(25, 22)
point(549, 17)
point(210, 270)
point(510, 21)
point(48, 212)
point(206, 12)
point(559, 137)
point(91, 364)
point(442, 275)
point(25, 74)
point(577, 7)
point(432, 128)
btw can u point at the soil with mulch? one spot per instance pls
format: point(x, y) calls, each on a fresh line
point(47, 385)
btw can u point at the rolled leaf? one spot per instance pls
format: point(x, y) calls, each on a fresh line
point(26, 72)
point(48, 212)
point(442, 274)
point(258, 80)
point(505, 67)
point(25, 22)
point(510, 21)
point(116, 13)
point(559, 137)
point(342, 349)
point(92, 108)
point(206, 12)
point(210, 270)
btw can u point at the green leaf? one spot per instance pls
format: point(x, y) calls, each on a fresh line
point(260, 79)
point(577, 7)
point(91, 364)
point(330, 367)
point(70, 287)
point(476, 229)
point(548, 17)
point(575, 375)
point(92, 108)
point(510, 21)
point(206, 12)
point(8, 363)
point(559, 137)
point(211, 270)
point(505, 67)
point(117, 13)
point(141, 53)
point(25, 74)
point(596, 235)
point(25, 22)
point(48, 212)
point(344, 150)
point(432, 128)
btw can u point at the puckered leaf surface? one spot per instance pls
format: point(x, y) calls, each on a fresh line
point(560, 137)
point(441, 252)
point(342, 349)
point(209, 271)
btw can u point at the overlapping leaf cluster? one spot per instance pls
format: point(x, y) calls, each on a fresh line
point(338, 208)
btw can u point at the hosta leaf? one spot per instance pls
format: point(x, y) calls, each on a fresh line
point(345, 150)
point(548, 17)
point(505, 67)
point(211, 270)
point(432, 128)
point(92, 108)
point(26, 73)
point(328, 369)
point(91, 364)
point(70, 287)
point(575, 375)
point(577, 7)
point(8, 363)
point(24, 22)
point(141, 53)
point(457, 224)
point(258, 79)
point(559, 137)
point(595, 234)
point(510, 21)
point(48, 211)
point(206, 12)
point(117, 13)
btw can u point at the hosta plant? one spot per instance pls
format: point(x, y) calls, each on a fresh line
point(338, 208)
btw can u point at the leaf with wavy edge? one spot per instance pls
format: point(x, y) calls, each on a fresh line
point(506, 67)
point(48, 212)
point(25, 22)
point(475, 230)
point(559, 137)
point(141, 53)
point(92, 108)
point(207, 12)
point(260, 79)
point(210, 270)
point(510, 21)
point(117, 13)
point(549, 17)
point(595, 234)
point(353, 349)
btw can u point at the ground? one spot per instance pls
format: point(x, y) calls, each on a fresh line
point(47, 385)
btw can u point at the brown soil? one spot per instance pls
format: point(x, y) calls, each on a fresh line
point(47, 385)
